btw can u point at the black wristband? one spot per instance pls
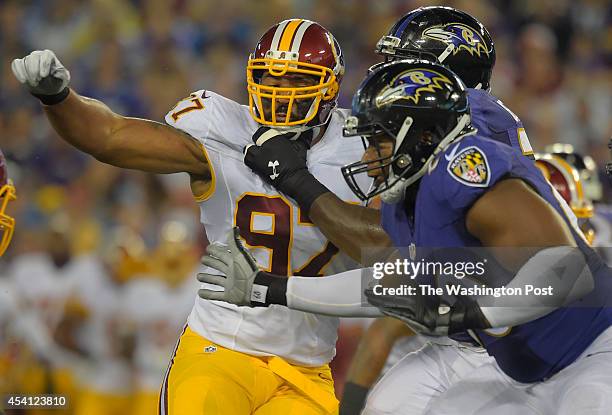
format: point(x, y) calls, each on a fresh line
point(353, 399)
point(304, 188)
point(269, 289)
point(55, 98)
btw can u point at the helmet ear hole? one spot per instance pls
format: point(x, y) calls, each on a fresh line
point(332, 91)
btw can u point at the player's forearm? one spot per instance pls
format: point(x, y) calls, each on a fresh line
point(374, 349)
point(337, 295)
point(132, 143)
point(369, 360)
point(354, 229)
point(85, 123)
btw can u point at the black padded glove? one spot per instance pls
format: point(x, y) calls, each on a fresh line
point(279, 158)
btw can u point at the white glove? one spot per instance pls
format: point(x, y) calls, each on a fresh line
point(239, 267)
point(42, 72)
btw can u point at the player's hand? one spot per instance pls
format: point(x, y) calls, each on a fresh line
point(423, 314)
point(239, 267)
point(280, 160)
point(276, 156)
point(430, 314)
point(43, 74)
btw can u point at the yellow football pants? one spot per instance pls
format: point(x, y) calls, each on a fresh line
point(207, 379)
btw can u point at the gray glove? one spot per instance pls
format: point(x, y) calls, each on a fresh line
point(239, 267)
point(42, 73)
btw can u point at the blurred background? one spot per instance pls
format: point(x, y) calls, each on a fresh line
point(93, 241)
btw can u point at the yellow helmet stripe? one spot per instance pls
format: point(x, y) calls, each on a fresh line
point(288, 35)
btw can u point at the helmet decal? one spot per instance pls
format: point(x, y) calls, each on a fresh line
point(449, 36)
point(410, 84)
point(461, 36)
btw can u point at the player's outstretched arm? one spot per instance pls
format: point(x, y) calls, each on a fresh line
point(369, 360)
point(243, 283)
point(92, 127)
point(351, 228)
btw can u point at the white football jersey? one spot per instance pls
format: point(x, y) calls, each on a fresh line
point(277, 232)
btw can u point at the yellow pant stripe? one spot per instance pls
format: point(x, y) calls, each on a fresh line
point(301, 382)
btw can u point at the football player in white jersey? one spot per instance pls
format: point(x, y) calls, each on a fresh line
point(267, 360)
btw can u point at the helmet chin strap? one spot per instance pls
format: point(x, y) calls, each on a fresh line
point(396, 192)
point(300, 130)
point(446, 52)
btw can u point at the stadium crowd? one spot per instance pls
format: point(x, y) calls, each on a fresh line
point(140, 57)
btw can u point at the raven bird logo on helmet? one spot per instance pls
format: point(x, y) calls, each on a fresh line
point(7, 194)
point(444, 35)
point(295, 47)
point(422, 107)
point(460, 37)
point(410, 85)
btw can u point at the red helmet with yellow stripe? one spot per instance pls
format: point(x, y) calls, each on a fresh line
point(7, 193)
point(295, 48)
point(565, 178)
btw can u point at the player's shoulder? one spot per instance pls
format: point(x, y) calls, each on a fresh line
point(342, 113)
point(492, 111)
point(337, 119)
point(207, 115)
point(468, 168)
point(337, 149)
point(198, 101)
point(474, 149)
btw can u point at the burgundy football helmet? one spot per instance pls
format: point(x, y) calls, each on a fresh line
point(566, 180)
point(292, 47)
